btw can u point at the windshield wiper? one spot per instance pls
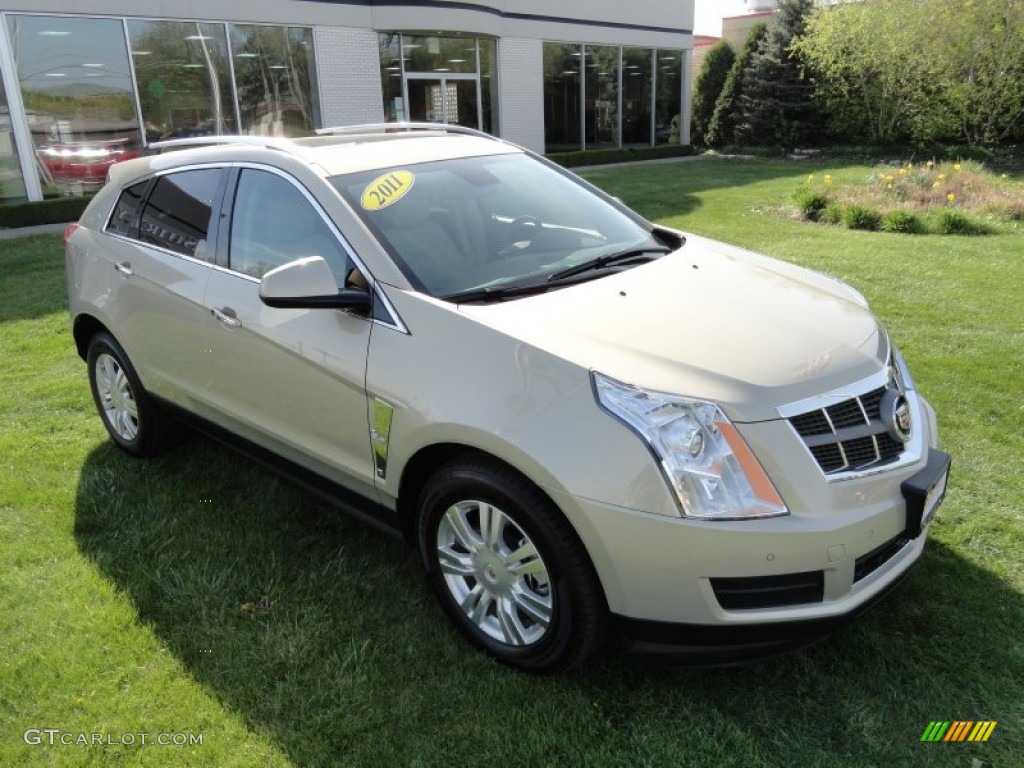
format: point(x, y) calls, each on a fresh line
point(606, 261)
point(495, 293)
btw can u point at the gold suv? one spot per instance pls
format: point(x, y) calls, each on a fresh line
point(588, 424)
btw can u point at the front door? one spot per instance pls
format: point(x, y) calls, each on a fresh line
point(291, 380)
point(452, 99)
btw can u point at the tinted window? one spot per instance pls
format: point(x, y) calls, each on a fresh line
point(274, 223)
point(123, 221)
point(177, 214)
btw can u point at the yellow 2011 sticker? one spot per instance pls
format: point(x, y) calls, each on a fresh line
point(386, 190)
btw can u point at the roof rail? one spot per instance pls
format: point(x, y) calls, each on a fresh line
point(203, 141)
point(372, 128)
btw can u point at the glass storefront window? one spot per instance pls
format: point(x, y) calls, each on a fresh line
point(77, 90)
point(439, 78)
point(669, 98)
point(601, 91)
point(184, 78)
point(439, 54)
point(562, 65)
point(636, 96)
point(12, 183)
point(489, 85)
point(389, 44)
point(275, 76)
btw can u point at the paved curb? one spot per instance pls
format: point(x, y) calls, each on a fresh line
point(41, 229)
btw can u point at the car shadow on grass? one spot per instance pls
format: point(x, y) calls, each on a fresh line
point(321, 633)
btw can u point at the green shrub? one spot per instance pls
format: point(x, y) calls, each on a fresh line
point(55, 211)
point(949, 222)
point(861, 217)
point(811, 203)
point(833, 213)
point(901, 221)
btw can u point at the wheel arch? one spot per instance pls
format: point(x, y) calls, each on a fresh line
point(84, 328)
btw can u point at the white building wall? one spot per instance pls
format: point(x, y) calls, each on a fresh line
point(521, 92)
point(348, 72)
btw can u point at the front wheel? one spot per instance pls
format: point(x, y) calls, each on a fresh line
point(508, 568)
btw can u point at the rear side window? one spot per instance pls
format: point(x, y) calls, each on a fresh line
point(177, 214)
point(124, 220)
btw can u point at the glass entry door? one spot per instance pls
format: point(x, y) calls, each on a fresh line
point(453, 100)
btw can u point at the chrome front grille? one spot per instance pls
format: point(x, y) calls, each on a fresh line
point(849, 435)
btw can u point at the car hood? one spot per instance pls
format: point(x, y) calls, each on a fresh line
point(708, 321)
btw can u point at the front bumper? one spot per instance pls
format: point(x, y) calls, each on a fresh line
point(722, 645)
point(716, 645)
point(728, 592)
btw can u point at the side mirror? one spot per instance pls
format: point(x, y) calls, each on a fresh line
point(308, 283)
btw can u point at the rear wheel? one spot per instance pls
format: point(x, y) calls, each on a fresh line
point(507, 567)
point(133, 421)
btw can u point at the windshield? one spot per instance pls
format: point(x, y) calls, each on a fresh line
point(495, 222)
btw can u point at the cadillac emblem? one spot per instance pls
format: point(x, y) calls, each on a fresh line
point(895, 412)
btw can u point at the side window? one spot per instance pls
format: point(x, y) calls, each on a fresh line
point(177, 214)
point(123, 220)
point(273, 223)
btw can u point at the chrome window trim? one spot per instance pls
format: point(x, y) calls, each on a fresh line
point(395, 323)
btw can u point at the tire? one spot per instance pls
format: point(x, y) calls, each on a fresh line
point(134, 422)
point(507, 567)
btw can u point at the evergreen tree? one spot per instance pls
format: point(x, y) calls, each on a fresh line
point(721, 127)
point(777, 106)
point(713, 73)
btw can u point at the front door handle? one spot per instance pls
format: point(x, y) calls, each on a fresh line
point(227, 316)
point(125, 269)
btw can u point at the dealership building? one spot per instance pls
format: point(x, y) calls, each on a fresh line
point(83, 89)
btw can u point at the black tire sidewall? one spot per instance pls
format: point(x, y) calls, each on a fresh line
point(104, 343)
point(532, 514)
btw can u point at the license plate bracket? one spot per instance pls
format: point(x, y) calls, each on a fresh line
point(925, 491)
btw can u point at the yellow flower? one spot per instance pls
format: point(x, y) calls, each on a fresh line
point(888, 186)
point(942, 176)
point(903, 171)
point(828, 179)
point(951, 197)
point(956, 166)
point(936, 185)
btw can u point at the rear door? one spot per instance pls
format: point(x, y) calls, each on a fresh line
point(160, 233)
point(292, 380)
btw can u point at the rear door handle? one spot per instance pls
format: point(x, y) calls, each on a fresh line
point(227, 316)
point(125, 269)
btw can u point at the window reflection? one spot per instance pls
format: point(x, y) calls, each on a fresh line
point(489, 85)
point(12, 183)
point(389, 45)
point(668, 101)
point(636, 96)
point(77, 91)
point(439, 54)
point(183, 77)
point(601, 64)
point(562, 82)
point(275, 75)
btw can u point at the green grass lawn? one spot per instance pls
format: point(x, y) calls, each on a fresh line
point(196, 594)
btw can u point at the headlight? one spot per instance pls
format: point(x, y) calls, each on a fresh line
point(713, 472)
